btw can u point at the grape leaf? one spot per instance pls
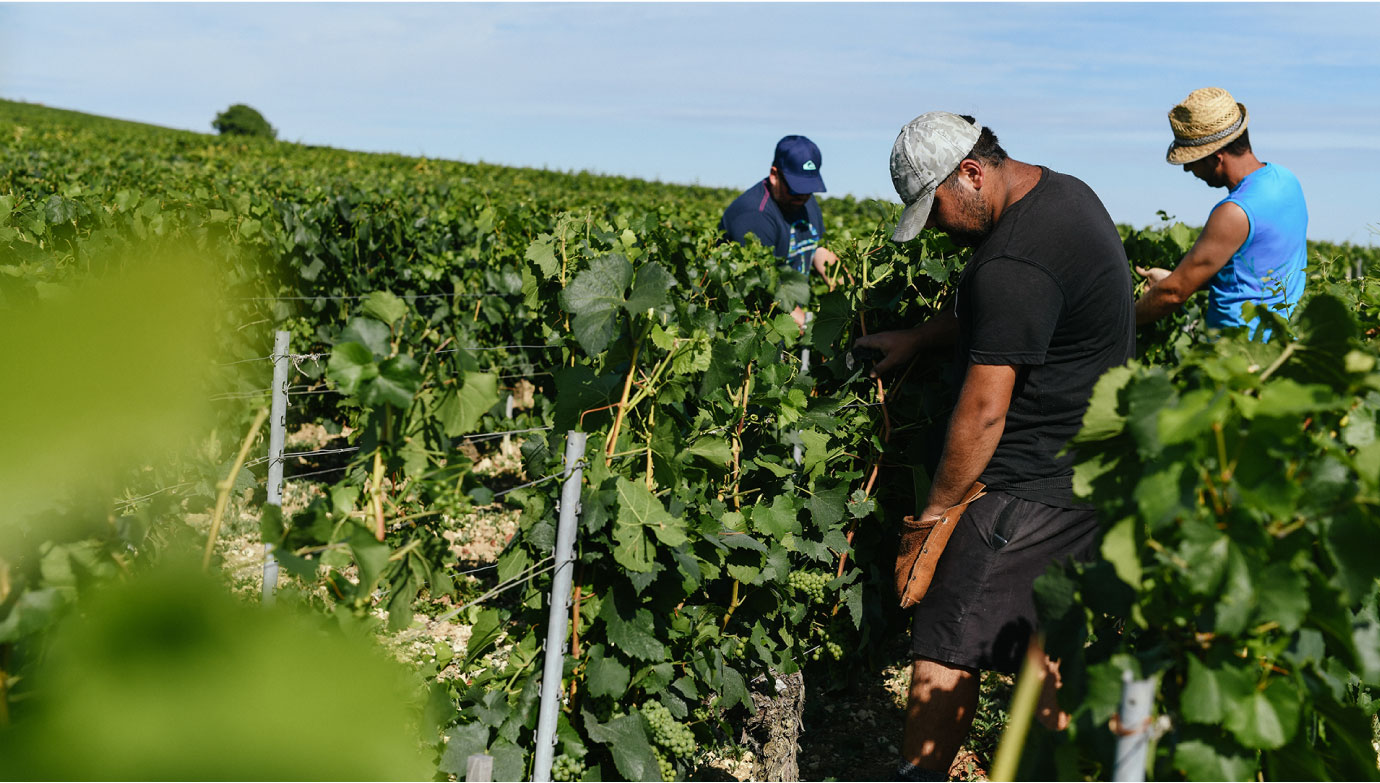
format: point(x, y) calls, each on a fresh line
point(595, 297)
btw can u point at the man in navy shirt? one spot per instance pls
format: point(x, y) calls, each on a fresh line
point(782, 212)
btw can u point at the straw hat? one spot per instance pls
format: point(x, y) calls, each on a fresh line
point(1207, 120)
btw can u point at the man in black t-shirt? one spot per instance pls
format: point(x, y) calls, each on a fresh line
point(781, 211)
point(1043, 308)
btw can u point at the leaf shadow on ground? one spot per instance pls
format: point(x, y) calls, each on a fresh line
point(853, 727)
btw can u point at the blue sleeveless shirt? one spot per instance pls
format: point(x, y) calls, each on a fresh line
point(1268, 268)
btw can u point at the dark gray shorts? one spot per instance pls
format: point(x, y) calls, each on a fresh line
point(980, 609)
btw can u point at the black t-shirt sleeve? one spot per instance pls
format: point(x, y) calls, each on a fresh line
point(1014, 310)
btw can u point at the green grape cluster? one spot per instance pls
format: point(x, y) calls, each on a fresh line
point(811, 583)
point(668, 732)
point(736, 648)
point(831, 640)
point(567, 768)
point(668, 772)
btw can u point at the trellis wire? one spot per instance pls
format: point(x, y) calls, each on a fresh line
point(541, 480)
point(526, 575)
point(298, 358)
point(155, 493)
point(497, 348)
point(242, 361)
point(315, 472)
point(320, 451)
point(492, 435)
point(355, 297)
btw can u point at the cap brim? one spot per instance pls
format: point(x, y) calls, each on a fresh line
point(804, 183)
point(913, 219)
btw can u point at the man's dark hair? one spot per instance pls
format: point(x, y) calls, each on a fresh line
point(1240, 145)
point(987, 151)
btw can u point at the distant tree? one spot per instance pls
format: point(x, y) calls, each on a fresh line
point(242, 120)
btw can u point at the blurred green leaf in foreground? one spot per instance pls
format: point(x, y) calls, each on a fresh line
point(169, 677)
point(100, 376)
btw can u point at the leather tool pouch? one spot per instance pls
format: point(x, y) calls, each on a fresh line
point(922, 542)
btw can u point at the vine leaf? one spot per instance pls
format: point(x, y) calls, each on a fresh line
point(828, 505)
point(370, 554)
point(367, 332)
point(1237, 597)
point(398, 381)
point(776, 520)
point(1119, 548)
point(1211, 693)
point(542, 253)
point(605, 676)
point(626, 739)
point(1103, 418)
point(1282, 597)
point(816, 451)
point(351, 365)
point(640, 517)
point(1265, 718)
point(385, 306)
point(460, 410)
point(714, 450)
point(487, 629)
point(595, 297)
point(635, 635)
point(464, 741)
point(831, 319)
point(650, 291)
point(1285, 397)
point(510, 761)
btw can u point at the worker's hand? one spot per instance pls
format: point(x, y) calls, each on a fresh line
point(824, 258)
point(1154, 274)
point(799, 316)
point(897, 348)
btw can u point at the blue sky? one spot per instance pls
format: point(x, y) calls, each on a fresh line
point(701, 92)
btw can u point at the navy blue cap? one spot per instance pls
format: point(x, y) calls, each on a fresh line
point(798, 159)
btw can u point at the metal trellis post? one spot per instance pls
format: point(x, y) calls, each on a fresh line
point(1133, 740)
point(277, 434)
point(556, 626)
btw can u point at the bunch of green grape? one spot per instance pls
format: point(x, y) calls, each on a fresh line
point(736, 647)
point(830, 643)
point(811, 583)
point(668, 732)
point(567, 768)
point(668, 772)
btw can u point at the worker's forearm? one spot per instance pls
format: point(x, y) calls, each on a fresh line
point(1157, 302)
point(974, 432)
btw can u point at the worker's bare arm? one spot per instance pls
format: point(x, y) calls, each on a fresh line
point(1226, 230)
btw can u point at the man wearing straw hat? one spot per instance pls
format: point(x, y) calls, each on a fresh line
point(1254, 246)
point(1042, 309)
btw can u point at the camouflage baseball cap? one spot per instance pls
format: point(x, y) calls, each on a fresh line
point(928, 149)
